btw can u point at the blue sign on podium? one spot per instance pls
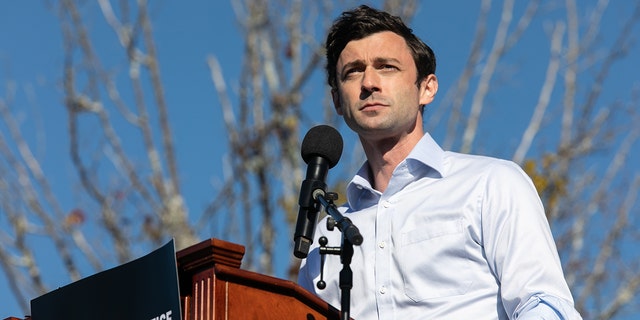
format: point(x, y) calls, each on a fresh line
point(143, 289)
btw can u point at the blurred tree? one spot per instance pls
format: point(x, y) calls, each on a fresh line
point(577, 144)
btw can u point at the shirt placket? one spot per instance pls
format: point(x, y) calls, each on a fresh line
point(384, 296)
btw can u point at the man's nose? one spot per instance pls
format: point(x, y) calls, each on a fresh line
point(370, 80)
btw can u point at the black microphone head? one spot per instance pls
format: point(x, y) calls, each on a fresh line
point(322, 141)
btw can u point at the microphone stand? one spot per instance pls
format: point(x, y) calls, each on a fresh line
point(350, 236)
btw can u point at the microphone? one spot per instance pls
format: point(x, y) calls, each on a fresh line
point(321, 150)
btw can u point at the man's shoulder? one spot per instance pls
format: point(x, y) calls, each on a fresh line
point(478, 162)
point(482, 168)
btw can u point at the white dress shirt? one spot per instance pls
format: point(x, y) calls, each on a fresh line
point(453, 236)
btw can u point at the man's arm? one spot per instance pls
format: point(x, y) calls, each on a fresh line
point(520, 247)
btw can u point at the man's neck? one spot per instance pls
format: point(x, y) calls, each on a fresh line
point(384, 156)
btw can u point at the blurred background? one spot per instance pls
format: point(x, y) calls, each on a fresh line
point(124, 124)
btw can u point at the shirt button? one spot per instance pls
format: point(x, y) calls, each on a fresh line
point(382, 244)
point(386, 204)
point(383, 290)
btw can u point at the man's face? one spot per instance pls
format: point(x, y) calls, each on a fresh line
point(376, 87)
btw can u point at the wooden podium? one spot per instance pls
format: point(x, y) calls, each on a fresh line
point(213, 287)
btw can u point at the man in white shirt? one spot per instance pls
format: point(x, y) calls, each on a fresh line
point(446, 235)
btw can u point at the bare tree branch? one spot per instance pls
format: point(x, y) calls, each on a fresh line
point(545, 95)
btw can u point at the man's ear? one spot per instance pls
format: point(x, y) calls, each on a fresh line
point(428, 89)
point(335, 96)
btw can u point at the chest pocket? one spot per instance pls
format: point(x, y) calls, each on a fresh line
point(433, 260)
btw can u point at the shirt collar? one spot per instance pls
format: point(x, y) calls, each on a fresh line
point(427, 153)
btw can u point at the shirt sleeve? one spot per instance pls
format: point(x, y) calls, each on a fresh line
point(546, 307)
point(520, 247)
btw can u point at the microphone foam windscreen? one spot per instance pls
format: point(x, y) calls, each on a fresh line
point(322, 141)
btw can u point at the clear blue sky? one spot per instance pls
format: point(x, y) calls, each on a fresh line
point(31, 59)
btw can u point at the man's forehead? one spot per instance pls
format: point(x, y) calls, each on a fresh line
point(376, 47)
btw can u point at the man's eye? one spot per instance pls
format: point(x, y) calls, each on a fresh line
point(350, 72)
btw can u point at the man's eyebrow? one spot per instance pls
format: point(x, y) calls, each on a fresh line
point(352, 64)
point(383, 60)
point(360, 63)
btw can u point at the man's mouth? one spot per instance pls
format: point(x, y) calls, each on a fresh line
point(370, 106)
